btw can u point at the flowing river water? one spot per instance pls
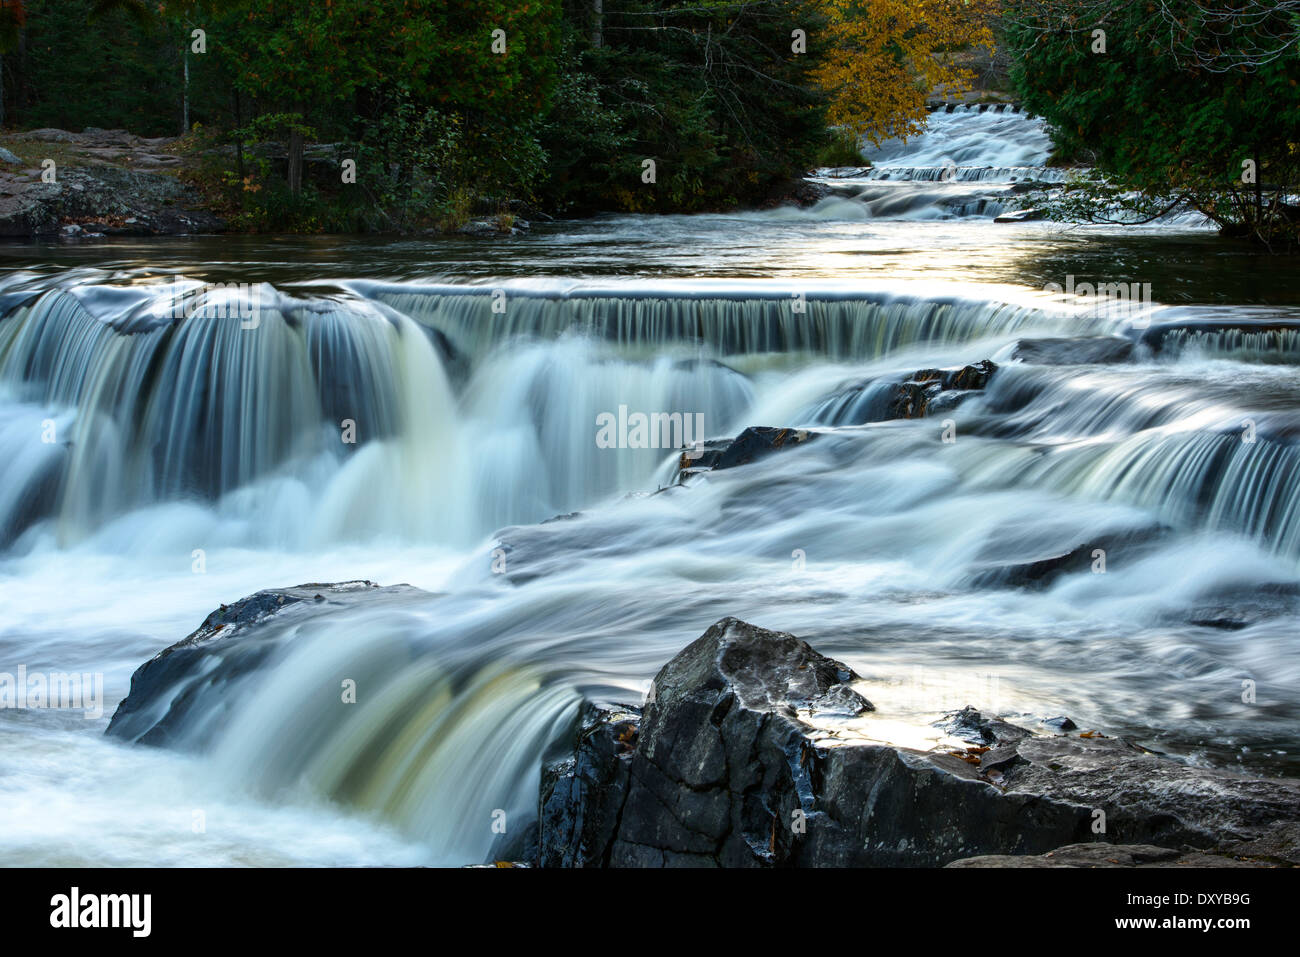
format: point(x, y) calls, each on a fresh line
point(154, 467)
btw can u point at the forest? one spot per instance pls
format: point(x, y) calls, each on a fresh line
point(451, 108)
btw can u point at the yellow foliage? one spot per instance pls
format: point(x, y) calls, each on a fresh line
point(882, 58)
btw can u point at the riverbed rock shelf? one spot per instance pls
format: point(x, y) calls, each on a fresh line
point(755, 750)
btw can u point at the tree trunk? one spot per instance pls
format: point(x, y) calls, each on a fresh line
point(239, 140)
point(1259, 187)
point(295, 157)
point(185, 104)
point(20, 78)
point(597, 22)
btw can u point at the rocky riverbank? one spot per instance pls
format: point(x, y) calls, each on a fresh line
point(59, 184)
point(114, 183)
point(754, 750)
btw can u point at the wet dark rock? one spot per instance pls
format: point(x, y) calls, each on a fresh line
point(843, 172)
point(1035, 573)
point(754, 443)
point(231, 644)
point(1076, 350)
point(1221, 623)
point(516, 848)
point(798, 192)
point(1014, 560)
point(1060, 723)
point(582, 795)
point(1239, 606)
point(716, 772)
point(742, 757)
point(1279, 843)
point(566, 517)
point(701, 458)
point(1021, 216)
point(925, 392)
point(1107, 855)
point(1277, 846)
point(933, 390)
point(969, 725)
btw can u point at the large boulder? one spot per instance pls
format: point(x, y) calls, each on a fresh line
point(755, 750)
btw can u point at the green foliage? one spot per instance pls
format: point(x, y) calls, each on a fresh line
point(71, 76)
point(711, 91)
point(842, 148)
point(1175, 106)
point(440, 122)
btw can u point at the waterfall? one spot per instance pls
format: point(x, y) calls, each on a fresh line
point(131, 433)
point(200, 407)
point(968, 163)
point(462, 418)
point(466, 418)
point(963, 165)
point(971, 137)
point(726, 319)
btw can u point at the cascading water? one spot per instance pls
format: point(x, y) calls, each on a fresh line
point(965, 165)
point(157, 465)
point(255, 414)
point(971, 137)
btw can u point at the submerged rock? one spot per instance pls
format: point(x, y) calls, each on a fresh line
point(1012, 563)
point(230, 645)
point(922, 393)
point(1021, 216)
point(754, 443)
point(1036, 572)
point(932, 390)
point(754, 750)
point(491, 226)
point(1075, 350)
point(736, 762)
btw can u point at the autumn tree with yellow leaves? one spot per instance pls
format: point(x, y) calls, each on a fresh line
point(880, 59)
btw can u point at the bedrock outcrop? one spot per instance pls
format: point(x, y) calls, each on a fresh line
point(754, 751)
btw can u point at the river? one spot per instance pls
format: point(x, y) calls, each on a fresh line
point(154, 467)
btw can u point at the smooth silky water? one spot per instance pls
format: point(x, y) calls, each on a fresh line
point(474, 427)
